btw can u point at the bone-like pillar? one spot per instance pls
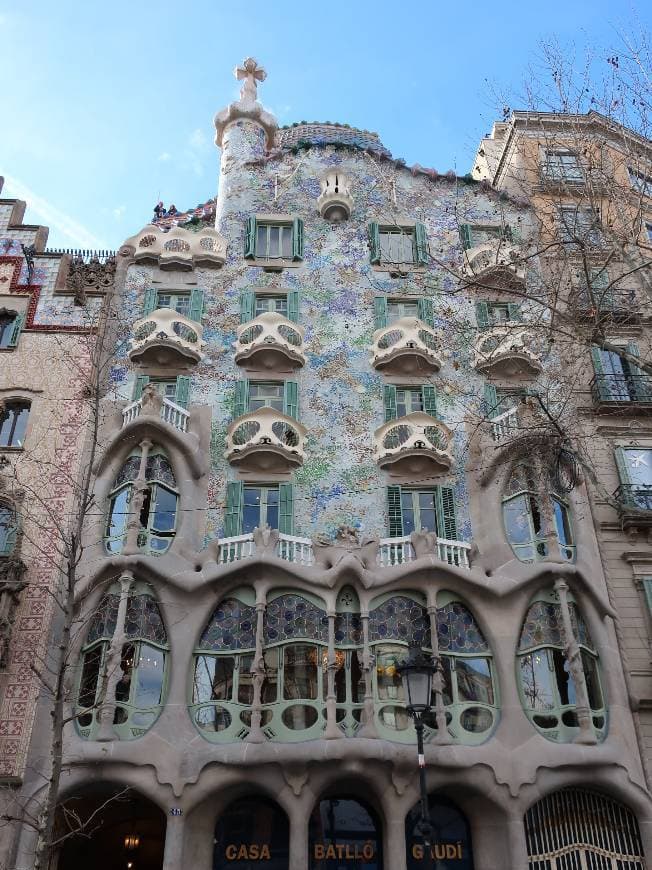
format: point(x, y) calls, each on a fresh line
point(438, 680)
point(258, 673)
point(332, 731)
point(137, 499)
point(573, 654)
point(112, 673)
point(369, 727)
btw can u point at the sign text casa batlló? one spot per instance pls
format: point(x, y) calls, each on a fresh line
point(321, 851)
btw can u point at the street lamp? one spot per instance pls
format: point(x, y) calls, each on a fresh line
point(416, 674)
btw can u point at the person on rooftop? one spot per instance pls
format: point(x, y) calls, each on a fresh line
point(159, 210)
point(172, 210)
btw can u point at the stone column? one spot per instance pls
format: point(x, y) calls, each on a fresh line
point(438, 679)
point(369, 724)
point(139, 487)
point(174, 832)
point(258, 673)
point(394, 841)
point(111, 673)
point(299, 816)
point(518, 856)
point(332, 731)
point(572, 650)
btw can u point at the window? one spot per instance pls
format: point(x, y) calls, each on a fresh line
point(397, 309)
point(640, 182)
point(8, 529)
point(253, 395)
point(388, 311)
point(618, 380)
point(408, 400)
point(175, 390)
point(401, 401)
point(523, 516)
point(492, 314)
point(274, 240)
point(473, 235)
point(562, 166)
point(398, 245)
point(430, 508)
point(139, 692)
point(266, 395)
point(10, 327)
point(251, 506)
point(273, 304)
point(547, 685)
point(580, 225)
point(13, 424)
point(158, 513)
point(187, 303)
point(254, 304)
point(499, 400)
point(635, 471)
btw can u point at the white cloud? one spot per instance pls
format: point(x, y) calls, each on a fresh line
point(197, 140)
point(164, 156)
point(52, 216)
point(195, 152)
point(119, 211)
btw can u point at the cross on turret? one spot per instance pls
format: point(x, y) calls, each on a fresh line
point(251, 73)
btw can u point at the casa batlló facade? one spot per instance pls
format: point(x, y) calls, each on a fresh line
point(305, 471)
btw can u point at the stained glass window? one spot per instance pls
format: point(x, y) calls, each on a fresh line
point(291, 616)
point(400, 618)
point(232, 627)
point(457, 630)
point(105, 618)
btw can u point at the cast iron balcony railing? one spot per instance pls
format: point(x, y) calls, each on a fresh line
point(406, 347)
point(270, 343)
point(164, 338)
point(417, 444)
point(634, 497)
point(266, 441)
point(507, 350)
point(621, 390)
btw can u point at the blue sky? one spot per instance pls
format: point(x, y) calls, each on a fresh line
point(107, 106)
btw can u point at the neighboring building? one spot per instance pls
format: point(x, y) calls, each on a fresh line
point(309, 464)
point(46, 344)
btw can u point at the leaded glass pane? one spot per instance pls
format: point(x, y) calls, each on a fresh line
point(143, 619)
point(388, 659)
point(457, 630)
point(232, 626)
point(348, 629)
point(400, 618)
point(129, 471)
point(542, 627)
point(580, 628)
point(104, 619)
point(292, 616)
point(158, 468)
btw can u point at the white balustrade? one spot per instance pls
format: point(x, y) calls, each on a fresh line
point(296, 550)
point(235, 548)
point(171, 413)
point(454, 552)
point(505, 425)
point(395, 551)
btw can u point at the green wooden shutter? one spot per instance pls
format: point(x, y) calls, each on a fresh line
point(380, 312)
point(514, 311)
point(446, 522)
point(139, 386)
point(196, 304)
point(429, 399)
point(426, 312)
point(602, 383)
point(293, 306)
point(297, 239)
point(241, 404)
point(482, 315)
point(247, 306)
point(490, 401)
point(374, 243)
point(395, 511)
point(647, 589)
point(390, 402)
point(233, 513)
point(19, 322)
point(465, 236)
point(421, 243)
point(182, 391)
point(621, 465)
point(285, 509)
point(151, 301)
point(250, 239)
point(603, 294)
point(10, 539)
point(291, 399)
point(641, 384)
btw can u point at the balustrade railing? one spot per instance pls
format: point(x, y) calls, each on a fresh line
point(621, 389)
point(171, 413)
point(505, 425)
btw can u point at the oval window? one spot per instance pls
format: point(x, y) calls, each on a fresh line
point(299, 716)
point(394, 717)
point(476, 719)
point(213, 718)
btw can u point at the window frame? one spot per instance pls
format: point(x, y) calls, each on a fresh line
point(640, 181)
point(593, 237)
point(557, 170)
point(9, 406)
point(292, 256)
point(9, 532)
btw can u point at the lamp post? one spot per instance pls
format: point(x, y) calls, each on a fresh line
point(416, 675)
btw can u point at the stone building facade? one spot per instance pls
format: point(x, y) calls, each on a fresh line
point(310, 464)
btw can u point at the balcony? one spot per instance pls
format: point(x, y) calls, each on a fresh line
point(391, 551)
point(177, 249)
point(622, 392)
point(506, 351)
point(634, 505)
point(505, 425)
point(495, 259)
point(417, 445)
point(406, 347)
point(270, 343)
point(166, 338)
point(170, 413)
point(335, 201)
point(265, 441)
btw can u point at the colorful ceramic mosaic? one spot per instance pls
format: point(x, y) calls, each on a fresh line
point(292, 616)
point(457, 630)
point(400, 618)
point(232, 626)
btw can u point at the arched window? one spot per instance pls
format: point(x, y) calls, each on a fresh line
point(576, 827)
point(547, 687)
point(13, 423)
point(528, 512)
point(222, 689)
point(8, 529)
point(139, 690)
point(158, 514)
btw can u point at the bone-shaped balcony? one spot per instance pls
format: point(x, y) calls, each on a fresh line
point(507, 350)
point(416, 445)
point(406, 347)
point(494, 258)
point(265, 441)
point(166, 338)
point(270, 343)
